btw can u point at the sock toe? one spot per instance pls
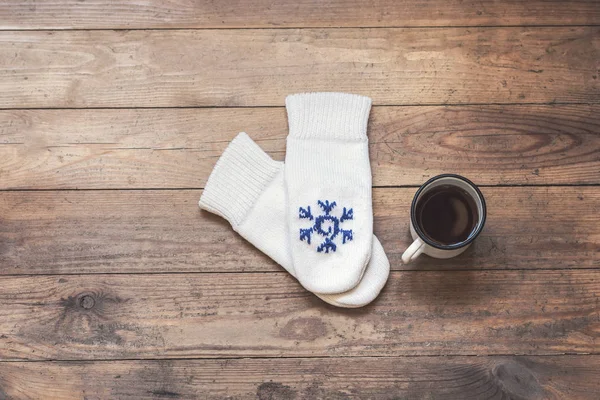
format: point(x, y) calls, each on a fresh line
point(373, 281)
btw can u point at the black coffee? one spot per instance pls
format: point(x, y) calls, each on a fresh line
point(447, 214)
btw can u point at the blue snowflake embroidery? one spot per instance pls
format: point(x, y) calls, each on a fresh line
point(326, 225)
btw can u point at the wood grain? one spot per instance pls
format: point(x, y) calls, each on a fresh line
point(95, 14)
point(74, 317)
point(450, 378)
point(164, 231)
point(177, 148)
point(138, 294)
point(179, 68)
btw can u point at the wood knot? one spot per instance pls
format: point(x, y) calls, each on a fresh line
point(275, 390)
point(87, 302)
point(305, 328)
point(518, 381)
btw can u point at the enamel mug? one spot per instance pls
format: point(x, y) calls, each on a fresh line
point(422, 243)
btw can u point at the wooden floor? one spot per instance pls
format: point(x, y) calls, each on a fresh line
point(114, 285)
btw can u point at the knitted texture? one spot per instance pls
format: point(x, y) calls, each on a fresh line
point(264, 224)
point(238, 179)
point(328, 116)
point(328, 179)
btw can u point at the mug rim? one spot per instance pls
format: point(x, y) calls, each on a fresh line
point(453, 246)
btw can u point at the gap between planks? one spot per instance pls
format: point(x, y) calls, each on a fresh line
point(500, 185)
point(245, 107)
point(325, 357)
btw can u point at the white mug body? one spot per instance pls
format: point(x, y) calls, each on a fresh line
point(421, 244)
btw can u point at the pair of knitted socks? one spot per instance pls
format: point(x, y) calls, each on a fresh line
point(313, 214)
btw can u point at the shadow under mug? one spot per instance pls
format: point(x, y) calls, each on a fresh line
point(423, 244)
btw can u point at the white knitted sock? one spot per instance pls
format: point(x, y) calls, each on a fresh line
point(247, 188)
point(328, 181)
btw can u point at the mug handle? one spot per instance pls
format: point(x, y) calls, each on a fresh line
point(413, 251)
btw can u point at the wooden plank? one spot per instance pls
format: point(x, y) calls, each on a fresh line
point(178, 68)
point(103, 14)
point(554, 377)
point(164, 231)
point(73, 317)
point(177, 148)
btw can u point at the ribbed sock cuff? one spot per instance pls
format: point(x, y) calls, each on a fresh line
point(240, 176)
point(328, 115)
